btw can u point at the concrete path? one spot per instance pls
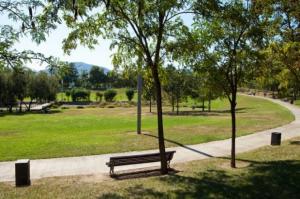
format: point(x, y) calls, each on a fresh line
point(95, 165)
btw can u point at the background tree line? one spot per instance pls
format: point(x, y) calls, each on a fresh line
point(19, 83)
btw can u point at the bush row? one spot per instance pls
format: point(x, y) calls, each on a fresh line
point(80, 94)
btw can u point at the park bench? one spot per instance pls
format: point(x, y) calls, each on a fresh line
point(45, 108)
point(137, 159)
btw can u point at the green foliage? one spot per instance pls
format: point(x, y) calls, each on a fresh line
point(68, 94)
point(175, 85)
point(28, 21)
point(130, 94)
point(97, 78)
point(99, 96)
point(79, 94)
point(110, 95)
point(43, 87)
point(19, 83)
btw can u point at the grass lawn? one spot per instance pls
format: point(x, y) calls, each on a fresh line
point(76, 132)
point(268, 172)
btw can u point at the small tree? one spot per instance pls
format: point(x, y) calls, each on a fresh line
point(80, 94)
point(19, 84)
point(97, 77)
point(110, 95)
point(233, 37)
point(130, 94)
point(68, 94)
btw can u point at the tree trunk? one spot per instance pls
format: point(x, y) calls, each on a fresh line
point(233, 129)
point(10, 108)
point(161, 141)
point(202, 105)
point(20, 106)
point(209, 105)
point(173, 104)
point(29, 106)
point(150, 106)
point(177, 106)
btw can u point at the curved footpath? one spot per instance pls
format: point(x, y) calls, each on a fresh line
point(95, 165)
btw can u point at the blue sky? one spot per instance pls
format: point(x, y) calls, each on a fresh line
point(100, 56)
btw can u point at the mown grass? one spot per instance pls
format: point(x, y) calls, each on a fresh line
point(76, 132)
point(268, 172)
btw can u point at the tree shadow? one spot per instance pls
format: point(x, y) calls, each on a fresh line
point(296, 142)
point(181, 145)
point(274, 179)
point(204, 113)
point(51, 112)
point(140, 173)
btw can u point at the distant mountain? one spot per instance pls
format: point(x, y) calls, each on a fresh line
point(84, 67)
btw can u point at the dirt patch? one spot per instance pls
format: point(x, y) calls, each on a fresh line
point(8, 133)
point(239, 165)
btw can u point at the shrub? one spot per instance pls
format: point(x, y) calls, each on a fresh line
point(68, 94)
point(99, 96)
point(80, 95)
point(130, 94)
point(109, 95)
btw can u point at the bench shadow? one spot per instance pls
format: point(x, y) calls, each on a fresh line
point(140, 173)
point(181, 145)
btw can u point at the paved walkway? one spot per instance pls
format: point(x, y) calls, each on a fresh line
point(95, 165)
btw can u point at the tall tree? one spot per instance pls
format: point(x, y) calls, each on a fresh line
point(139, 29)
point(20, 80)
point(285, 35)
point(232, 32)
point(97, 77)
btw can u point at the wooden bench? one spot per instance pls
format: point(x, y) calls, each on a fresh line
point(137, 159)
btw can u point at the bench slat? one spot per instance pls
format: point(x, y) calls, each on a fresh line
point(138, 159)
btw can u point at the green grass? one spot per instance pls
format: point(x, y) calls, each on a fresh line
point(76, 132)
point(268, 172)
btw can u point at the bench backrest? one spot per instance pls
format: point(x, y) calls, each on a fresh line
point(139, 159)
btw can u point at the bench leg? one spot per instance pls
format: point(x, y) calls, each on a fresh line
point(111, 172)
point(168, 164)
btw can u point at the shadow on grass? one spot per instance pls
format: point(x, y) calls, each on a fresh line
point(275, 179)
point(181, 145)
point(204, 113)
point(3, 114)
point(297, 142)
point(141, 173)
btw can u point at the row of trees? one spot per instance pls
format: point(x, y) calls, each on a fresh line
point(19, 83)
point(231, 42)
point(96, 78)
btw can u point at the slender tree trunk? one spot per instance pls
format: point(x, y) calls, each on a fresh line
point(202, 105)
point(177, 106)
point(150, 106)
point(20, 106)
point(161, 141)
point(173, 104)
point(209, 105)
point(29, 106)
point(233, 128)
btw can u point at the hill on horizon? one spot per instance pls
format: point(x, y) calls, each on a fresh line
point(84, 67)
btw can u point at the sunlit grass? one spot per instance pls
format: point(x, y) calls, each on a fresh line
point(75, 132)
